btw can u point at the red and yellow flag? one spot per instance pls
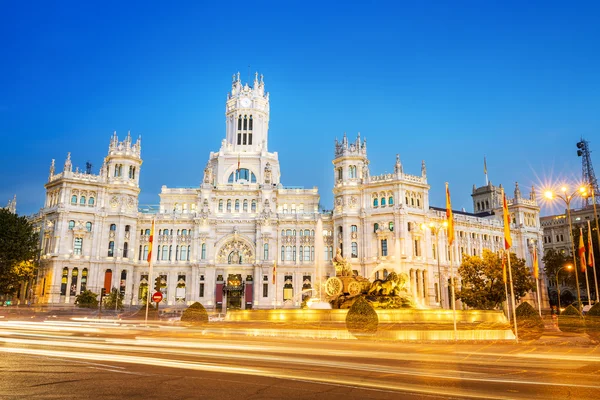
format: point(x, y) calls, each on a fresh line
point(581, 251)
point(449, 217)
point(274, 270)
point(591, 260)
point(238, 162)
point(536, 266)
point(506, 217)
point(150, 240)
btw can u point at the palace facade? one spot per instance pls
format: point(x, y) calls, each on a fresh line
point(219, 243)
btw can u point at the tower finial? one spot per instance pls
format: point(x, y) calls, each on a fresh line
point(517, 191)
point(423, 168)
point(68, 166)
point(51, 169)
point(532, 194)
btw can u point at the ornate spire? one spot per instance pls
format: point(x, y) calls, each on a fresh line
point(532, 194)
point(474, 188)
point(398, 166)
point(68, 165)
point(517, 191)
point(423, 168)
point(52, 168)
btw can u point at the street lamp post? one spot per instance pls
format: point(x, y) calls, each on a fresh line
point(592, 189)
point(558, 285)
point(550, 195)
point(435, 229)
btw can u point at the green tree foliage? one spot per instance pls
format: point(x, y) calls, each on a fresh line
point(553, 260)
point(18, 251)
point(113, 299)
point(87, 299)
point(571, 320)
point(362, 320)
point(529, 322)
point(592, 323)
point(195, 314)
point(482, 284)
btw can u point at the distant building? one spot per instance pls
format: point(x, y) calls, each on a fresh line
point(556, 237)
point(217, 243)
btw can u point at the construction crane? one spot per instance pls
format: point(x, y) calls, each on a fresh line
point(587, 171)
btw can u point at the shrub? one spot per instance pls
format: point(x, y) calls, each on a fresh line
point(86, 299)
point(592, 323)
point(529, 322)
point(571, 320)
point(195, 314)
point(362, 320)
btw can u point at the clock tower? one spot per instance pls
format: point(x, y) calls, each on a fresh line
point(247, 112)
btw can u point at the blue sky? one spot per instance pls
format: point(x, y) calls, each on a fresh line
point(443, 81)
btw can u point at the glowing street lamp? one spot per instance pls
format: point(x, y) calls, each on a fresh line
point(568, 267)
point(566, 198)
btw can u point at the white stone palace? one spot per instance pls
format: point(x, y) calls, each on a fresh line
point(217, 243)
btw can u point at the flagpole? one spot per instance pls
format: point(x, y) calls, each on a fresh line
point(453, 293)
point(485, 171)
point(590, 245)
point(598, 236)
point(275, 282)
point(149, 272)
point(537, 283)
point(512, 295)
point(536, 275)
point(505, 286)
point(582, 263)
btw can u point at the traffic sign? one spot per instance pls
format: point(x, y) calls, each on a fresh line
point(157, 297)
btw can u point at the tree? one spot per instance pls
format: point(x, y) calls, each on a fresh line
point(87, 299)
point(113, 300)
point(482, 284)
point(553, 260)
point(18, 244)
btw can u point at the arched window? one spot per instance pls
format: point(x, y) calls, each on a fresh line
point(288, 232)
point(77, 246)
point(391, 201)
point(203, 254)
point(183, 254)
point(237, 205)
point(375, 202)
point(294, 251)
point(375, 227)
point(382, 201)
point(288, 253)
point(301, 254)
point(282, 253)
point(140, 253)
point(71, 225)
point(165, 253)
point(418, 202)
point(391, 226)
point(111, 248)
point(354, 250)
point(63, 282)
point(253, 207)
point(245, 122)
point(412, 201)
point(228, 205)
point(113, 227)
point(176, 253)
point(73, 199)
point(306, 253)
point(184, 232)
point(306, 232)
point(125, 246)
point(84, 276)
point(170, 252)
point(239, 124)
point(189, 251)
point(266, 251)
point(250, 125)
point(82, 200)
point(147, 232)
point(220, 205)
point(245, 208)
point(91, 201)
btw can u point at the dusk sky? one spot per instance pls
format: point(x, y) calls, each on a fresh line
point(445, 81)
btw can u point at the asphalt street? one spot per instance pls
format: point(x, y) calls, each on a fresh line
point(63, 360)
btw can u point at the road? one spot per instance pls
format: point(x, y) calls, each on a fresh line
point(79, 359)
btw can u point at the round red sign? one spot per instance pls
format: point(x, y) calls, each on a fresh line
point(157, 297)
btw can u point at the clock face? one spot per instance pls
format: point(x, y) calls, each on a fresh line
point(245, 102)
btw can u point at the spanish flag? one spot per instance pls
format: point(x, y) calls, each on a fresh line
point(274, 270)
point(238, 162)
point(591, 260)
point(150, 240)
point(506, 217)
point(449, 217)
point(536, 267)
point(484, 166)
point(581, 251)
